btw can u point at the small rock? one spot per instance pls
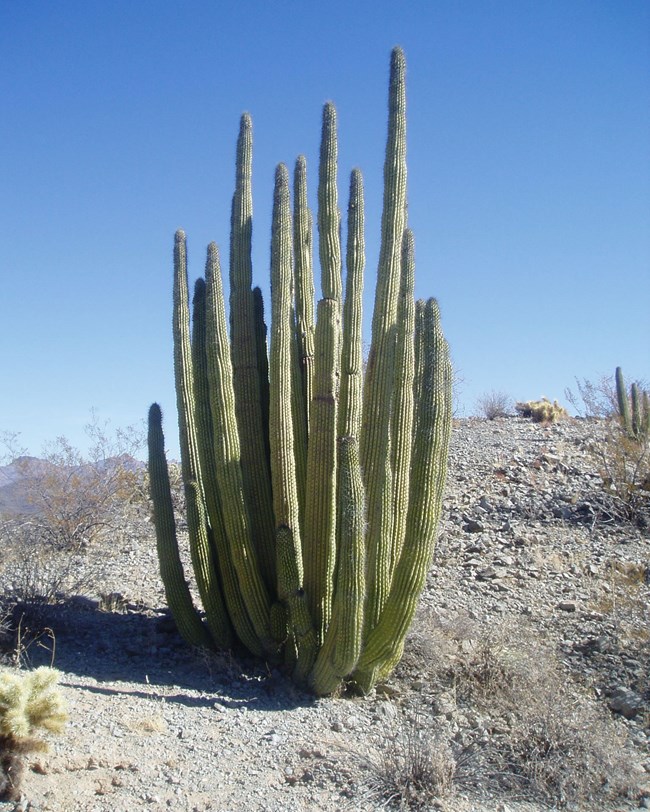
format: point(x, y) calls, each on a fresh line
point(567, 606)
point(626, 702)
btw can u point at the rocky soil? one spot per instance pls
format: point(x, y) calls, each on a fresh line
point(524, 681)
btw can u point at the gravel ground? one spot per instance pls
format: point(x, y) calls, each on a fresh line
point(531, 568)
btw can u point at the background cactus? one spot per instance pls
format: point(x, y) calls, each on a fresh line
point(633, 408)
point(313, 493)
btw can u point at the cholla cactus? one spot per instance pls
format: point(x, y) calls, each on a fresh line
point(542, 411)
point(28, 701)
point(313, 490)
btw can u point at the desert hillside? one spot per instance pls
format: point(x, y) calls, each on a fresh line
point(524, 684)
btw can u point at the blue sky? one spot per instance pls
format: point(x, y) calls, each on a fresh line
point(529, 180)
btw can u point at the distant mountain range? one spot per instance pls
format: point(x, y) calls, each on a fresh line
point(17, 478)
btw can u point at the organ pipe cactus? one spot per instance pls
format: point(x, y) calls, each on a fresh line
point(313, 490)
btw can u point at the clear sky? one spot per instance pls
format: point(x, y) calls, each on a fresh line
point(529, 180)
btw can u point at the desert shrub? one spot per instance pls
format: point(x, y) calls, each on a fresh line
point(415, 767)
point(494, 404)
point(541, 411)
point(537, 733)
point(595, 399)
point(623, 464)
point(59, 505)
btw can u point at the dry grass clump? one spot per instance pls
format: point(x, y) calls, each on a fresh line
point(525, 726)
point(415, 767)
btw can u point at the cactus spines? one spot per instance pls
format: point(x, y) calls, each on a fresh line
point(313, 487)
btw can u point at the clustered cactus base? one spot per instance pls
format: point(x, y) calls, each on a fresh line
point(313, 484)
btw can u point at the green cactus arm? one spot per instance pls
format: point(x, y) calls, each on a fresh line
point(319, 539)
point(219, 541)
point(304, 273)
point(246, 380)
point(350, 408)
point(376, 451)
point(177, 592)
point(226, 451)
point(623, 402)
point(329, 239)
point(402, 409)
point(341, 647)
point(385, 643)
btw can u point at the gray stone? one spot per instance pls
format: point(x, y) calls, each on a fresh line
point(626, 702)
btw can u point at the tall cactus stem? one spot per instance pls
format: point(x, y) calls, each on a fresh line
point(262, 367)
point(319, 543)
point(281, 425)
point(376, 453)
point(402, 416)
point(232, 594)
point(384, 645)
point(342, 644)
point(183, 363)
point(226, 450)
point(200, 549)
point(304, 273)
point(329, 240)
point(246, 380)
point(177, 592)
point(350, 406)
